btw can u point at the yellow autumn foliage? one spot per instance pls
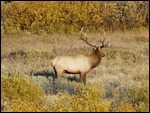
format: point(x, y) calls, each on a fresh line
point(68, 17)
point(19, 94)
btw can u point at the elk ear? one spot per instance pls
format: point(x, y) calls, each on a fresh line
point(102, 54)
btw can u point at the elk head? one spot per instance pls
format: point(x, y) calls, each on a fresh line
point(96, 49)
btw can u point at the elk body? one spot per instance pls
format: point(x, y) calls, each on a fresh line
point(79, 64)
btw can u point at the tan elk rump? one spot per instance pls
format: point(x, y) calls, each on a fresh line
point(79, 64)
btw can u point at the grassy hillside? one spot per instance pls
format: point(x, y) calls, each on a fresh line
point(119, 83)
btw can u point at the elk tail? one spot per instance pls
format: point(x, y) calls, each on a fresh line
point(51, 62)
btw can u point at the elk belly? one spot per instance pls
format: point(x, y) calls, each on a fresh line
point(75, 65)
point(71, 72)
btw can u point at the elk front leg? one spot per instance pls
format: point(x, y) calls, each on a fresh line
point(84, 79)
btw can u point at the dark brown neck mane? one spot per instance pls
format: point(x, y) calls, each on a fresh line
point(95, 58)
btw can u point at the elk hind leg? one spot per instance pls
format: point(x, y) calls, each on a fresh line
point(54, 81)
point(58, 73)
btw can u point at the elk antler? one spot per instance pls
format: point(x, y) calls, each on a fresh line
point(85, 39)
point(103, 45)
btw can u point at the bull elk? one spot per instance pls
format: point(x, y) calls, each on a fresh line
point(79, 64)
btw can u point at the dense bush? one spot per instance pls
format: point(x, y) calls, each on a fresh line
point(69, 17)
point(84, 99)
point(20, 94)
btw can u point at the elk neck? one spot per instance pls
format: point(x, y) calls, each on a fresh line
point(95, 58)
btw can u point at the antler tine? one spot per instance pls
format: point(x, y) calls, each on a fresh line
point(102, 41)
point(85, 39)
point(81, 29)
point(104, 45)
point(88, 42)
point(104, 37)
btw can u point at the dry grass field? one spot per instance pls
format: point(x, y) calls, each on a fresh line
point(119, 83)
